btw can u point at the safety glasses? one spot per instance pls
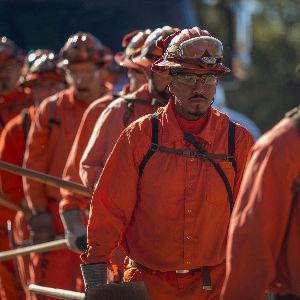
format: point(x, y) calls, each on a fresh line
point(207, 50)
point(192, 78)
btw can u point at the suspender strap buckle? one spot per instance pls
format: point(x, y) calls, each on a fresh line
point(154, 147)
point(229, 158)
point(189, 153)
point(206, 279)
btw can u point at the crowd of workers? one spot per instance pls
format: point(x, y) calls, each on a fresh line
point(183, 199)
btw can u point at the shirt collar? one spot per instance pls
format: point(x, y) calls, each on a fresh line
point(173, 131)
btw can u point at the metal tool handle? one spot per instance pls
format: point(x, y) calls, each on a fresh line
point(38, 248)
point(56, 293)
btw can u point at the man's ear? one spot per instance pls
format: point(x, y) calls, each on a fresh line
point(170, 85)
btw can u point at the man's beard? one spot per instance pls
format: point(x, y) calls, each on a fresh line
point(198, 113)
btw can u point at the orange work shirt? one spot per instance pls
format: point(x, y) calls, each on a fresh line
point(106, 132)
point(262, 254)
point(12, 104)
point(71, 200)
point(12, 147)
point(176, 215)
point(48, 147)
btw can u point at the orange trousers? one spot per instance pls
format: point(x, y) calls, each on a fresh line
point(59, 268)
point(172, 286)
point(10, 287)
point(21, 234)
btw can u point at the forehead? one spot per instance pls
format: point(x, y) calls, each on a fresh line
point(82, 66)
point(8, 65)
point(192, 71)
point(46, 82)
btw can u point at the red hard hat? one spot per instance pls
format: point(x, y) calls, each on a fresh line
point(44, 67)
point(10, 52)
point(150, 52)
point(132, 42)
point(192, 49)
point(33, 55)
point(84, 47)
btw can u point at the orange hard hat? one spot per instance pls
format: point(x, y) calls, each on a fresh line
point(192, 49)
point(32, 56)
point(84, 47)
point(43, 67)
point(10, 52)
point(132, 42)
point(150, 52)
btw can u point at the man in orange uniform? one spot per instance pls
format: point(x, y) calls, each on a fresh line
point(12, 98)
point(72, 203)
point(12, 101)
point(132, 42)
point(178, 173)
point(264, 235)
point(125, 110)
point(50, 138)
point(43, 80)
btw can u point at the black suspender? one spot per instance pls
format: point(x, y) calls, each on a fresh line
point(51, 112)
point(130, 107)
point(231, 143)
point(189, 138)
point(26, 122)
point(154, 147)
point(154, 141)
point(2, 124)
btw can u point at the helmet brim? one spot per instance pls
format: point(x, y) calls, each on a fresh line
point(125, 62)
point(163, 65)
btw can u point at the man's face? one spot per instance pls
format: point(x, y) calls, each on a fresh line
point(137, 78)
point(159, 82)
point(42, 89)
point(9, 76)
point(85, 78)
point(193, 90)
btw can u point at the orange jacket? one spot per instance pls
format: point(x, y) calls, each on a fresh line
point(259, 257)
point(12, 147)
point(71, 200)
point(11, 105)
point(48, 145)
point(176, 215)
point(106, 132)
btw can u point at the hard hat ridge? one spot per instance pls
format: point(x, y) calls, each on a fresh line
point(10, 52)
point(132, 42)
point(192, 49)
point(83, 47)
point(150, 51)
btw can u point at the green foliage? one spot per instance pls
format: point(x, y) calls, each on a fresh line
point(272, 87)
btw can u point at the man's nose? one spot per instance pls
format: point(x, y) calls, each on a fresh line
point(199, 86)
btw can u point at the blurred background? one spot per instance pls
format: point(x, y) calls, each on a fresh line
point(261, 39)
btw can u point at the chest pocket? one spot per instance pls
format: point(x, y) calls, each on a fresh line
point(217, 193)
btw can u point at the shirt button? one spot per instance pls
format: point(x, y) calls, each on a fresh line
point(192, 159)
point(189, 211)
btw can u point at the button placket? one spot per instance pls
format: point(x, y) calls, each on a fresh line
point(191, 178)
